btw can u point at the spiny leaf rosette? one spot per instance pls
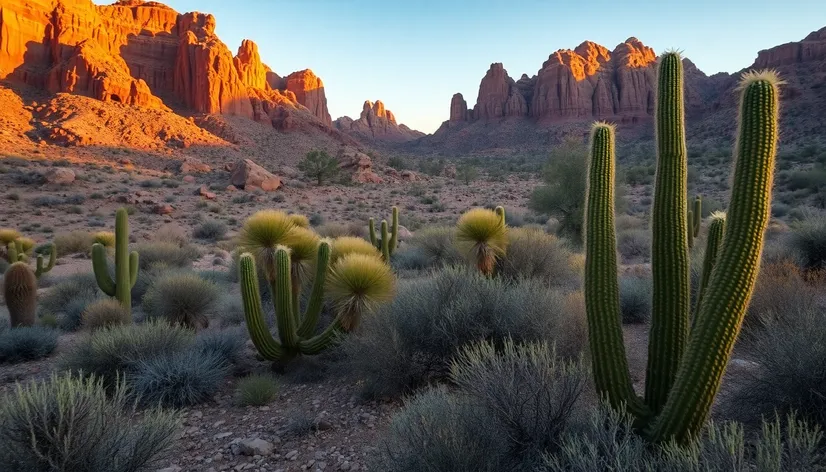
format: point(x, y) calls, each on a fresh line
point(482, 235)
point(354, 283)
point(684, 372)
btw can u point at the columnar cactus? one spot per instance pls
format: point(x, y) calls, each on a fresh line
point(389, 237)
point(126, 264)
point(683, 374)
point(352, 280)
point(20, 292)
point(715, 237)
point(695, 218)
point(40, 268)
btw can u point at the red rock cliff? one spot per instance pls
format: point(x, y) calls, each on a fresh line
point(376, 123)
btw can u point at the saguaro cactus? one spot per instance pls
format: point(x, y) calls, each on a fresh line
point(20, 292)
point(683, 375)
point(389, 237)
point(126, 264)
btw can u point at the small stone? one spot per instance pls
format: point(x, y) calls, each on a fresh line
point(222, 435)
point(345, 465)
point(256, 447)
point(292, 455)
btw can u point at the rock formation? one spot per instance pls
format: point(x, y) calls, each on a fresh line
point(136, 52)
point(376, 123)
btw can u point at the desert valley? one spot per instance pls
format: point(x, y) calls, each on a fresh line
point(616, 262)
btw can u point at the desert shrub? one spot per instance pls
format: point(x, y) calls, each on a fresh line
point(634, 244)
point(319, 165)
point(231, 309)
point(71, 424)
point(412, 340)
point(104, 313)
point(168, 253)
point(180, 379)
point(171, 233)
point(635, 299)
point(4, 266)
point(809, 240)
point(605, 440)
point(534, 254)
point(513, 403)
point(782, 288)
point(337, 230)
point(409, 258)
point(256, 390)
point(438, 244)
point(114, 351)
point(211, 230)
point(226, 344)
point(181, 299)
point(788, 373)
point(68, 298)
point(74, 242)
point(27, 343)
point(105, 238)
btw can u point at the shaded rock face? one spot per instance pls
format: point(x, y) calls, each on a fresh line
point(377, 123)
point(135, 52)
point(247, 175)
point(812, 48)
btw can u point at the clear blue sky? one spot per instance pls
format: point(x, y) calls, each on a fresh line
point(415, 55)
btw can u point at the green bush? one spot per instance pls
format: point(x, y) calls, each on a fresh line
point(168, 253)
point(74, 242)
point(412, 340)
point(70, 424)
point(226, 344)
point(69, 297)
point(438, 245)
point(183, 299)
point(104, 313)
point(180, 379)
point(211, 230)
point(634, 245)
point(319, 165)
point(534, 254)
point(256, 390)
point(27, 343)
point(635, 299)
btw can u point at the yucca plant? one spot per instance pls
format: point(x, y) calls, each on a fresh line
point(482, 236)
point(357, 282)
point(105, 239)
point(345, 245)
point(300, 220)
point(684, 373)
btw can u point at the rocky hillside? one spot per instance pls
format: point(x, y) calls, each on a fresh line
point(592, 82)
point(376, 123)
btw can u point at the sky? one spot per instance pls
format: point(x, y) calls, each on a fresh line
point(415, 55)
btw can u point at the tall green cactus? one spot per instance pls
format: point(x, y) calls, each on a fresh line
point(20, 293)
point(14, 251)
point(126, 264)
point(715, 237)
point(683, 377)
point(389, 236)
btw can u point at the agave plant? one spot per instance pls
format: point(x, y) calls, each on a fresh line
point(354, 283)
point(482, 235)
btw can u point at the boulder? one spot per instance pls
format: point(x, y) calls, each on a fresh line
point(246, 174)
point(60, 176)
point(191, 165)
point(256, 447)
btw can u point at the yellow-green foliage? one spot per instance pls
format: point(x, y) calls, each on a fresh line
point(358, 283)
point(300, 220)
point(483, 237)
point(345, 245)
point(8, 235)
point(104, 313)
point(104, 238)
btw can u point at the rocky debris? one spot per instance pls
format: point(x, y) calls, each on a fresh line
point(247, 175)
point(163, 209)
point(376, 123)
point(59, 176)
point(204, 192)
point(359, 164)
point(409, 176)
point(191, 165)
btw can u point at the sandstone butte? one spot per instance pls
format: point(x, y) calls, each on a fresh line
point(376, 123)
point(593, 82)
point(147, 54)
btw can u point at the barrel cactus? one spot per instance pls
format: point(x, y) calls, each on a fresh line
point(20, 292)
point(126, 264)
point(354, 283)
point(684, 373)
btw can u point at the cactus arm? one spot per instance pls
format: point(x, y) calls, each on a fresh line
point(134, 266)
point(732, 281)
point(123, 288)
point(715, 236)
point(101, 270)
point(316, 302)
point(11, 251)
point(698, 215)
point(385, 242)
point(669, 250)
point(266, 345)
point(394, 228)
point(323, 340)
point(372, 228)
point(52, 258)
point(281, 287)
point(610, 364)
point(500, 210)
point(690, 229)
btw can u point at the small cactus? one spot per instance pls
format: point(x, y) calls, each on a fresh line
point(389, 236)
point(20, 292)
point(40, 268)
point(126, 264)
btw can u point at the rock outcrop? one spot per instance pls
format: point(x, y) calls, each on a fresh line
point(376, 123)
point(811, 48)
point(248, 175)
point(458, 108)
point(136, 52)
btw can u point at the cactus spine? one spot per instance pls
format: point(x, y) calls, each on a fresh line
point(294, 331)
point(389, 236)
point(683, 377)
point(126, 264)
point(20, 292)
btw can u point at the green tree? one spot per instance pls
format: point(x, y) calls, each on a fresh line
point(563, 194)
point(319, 165)
point(467, 173)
